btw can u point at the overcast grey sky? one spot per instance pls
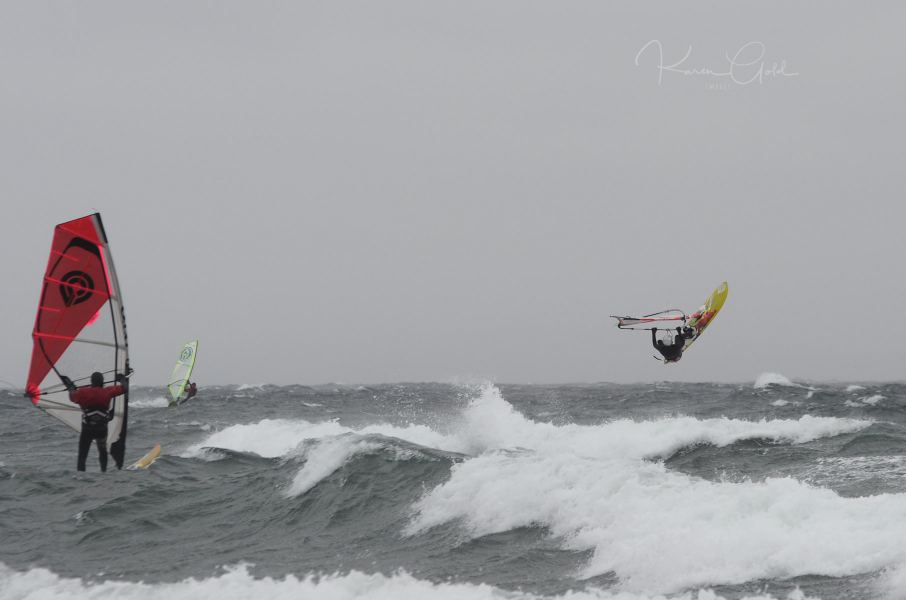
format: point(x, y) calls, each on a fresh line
point(366, 191)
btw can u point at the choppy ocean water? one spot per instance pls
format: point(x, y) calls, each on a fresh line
point(771, 489)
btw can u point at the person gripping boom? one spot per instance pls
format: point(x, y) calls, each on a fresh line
point(672, 352)
point(191, 389)
point(95, 404)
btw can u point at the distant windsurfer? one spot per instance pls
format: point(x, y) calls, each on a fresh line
point(672, 352)
point(95, 403)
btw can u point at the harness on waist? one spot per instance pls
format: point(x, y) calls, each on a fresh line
point(96, 417)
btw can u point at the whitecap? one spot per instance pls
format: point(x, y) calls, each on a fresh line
point(153, 402)
point(872, 400)
point(237, 583)
point(768, 379)
point(324, 458)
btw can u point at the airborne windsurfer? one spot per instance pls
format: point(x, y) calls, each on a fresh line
point(95, 403)
point(672, 347)
point(671, 352)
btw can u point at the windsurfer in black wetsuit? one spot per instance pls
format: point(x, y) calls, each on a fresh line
point(672, 352)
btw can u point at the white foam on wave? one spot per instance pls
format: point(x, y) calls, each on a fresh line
point(768, 379)
point(659, 530)
point(864, 401)
point(274, 438)
point(490, 423)
point(270, 438)
point(854, 388)
point(780, 402)
point(592, 486)
point(250, 386)
point(663, 531)
point(238, 584)
point(324, 458)
point(333, 446)
point(892, 584)
point(154, 402)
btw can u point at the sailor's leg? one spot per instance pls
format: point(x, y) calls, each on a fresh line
point(84, 445)
point(102, 452)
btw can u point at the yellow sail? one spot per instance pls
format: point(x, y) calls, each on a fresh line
point(700, 319)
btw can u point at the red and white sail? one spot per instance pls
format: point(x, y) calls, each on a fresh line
point(652, 319)
point(80, 327)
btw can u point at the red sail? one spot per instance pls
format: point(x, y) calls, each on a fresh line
point(76, 287)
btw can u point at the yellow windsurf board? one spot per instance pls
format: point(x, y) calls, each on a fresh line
point(700, 319)
point(147, 460)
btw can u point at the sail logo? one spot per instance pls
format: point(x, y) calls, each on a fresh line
point(186, 354)
point(76, 287)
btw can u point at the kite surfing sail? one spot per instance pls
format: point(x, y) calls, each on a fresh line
point(182, 372)
point(80, 328)
point(692, 326)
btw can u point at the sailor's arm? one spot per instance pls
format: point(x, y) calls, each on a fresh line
point(70, 386)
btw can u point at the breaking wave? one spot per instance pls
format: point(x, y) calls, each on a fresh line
point(237, 583)
point(766, 380)
point(604, 488)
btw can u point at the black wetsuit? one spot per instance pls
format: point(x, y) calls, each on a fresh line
point(673, 352)
point(95, 403)
point(94, 427)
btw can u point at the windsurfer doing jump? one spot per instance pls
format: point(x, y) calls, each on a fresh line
point(95, 403)
point(674, 351)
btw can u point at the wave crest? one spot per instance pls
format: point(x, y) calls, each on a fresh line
point(238, 584)
point(766, 380)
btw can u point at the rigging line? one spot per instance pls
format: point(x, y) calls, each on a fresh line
point(72, 339)
point(669, 310)
point(49, 361)
point(87, 377)
point(57, 406)
point(55, 389)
